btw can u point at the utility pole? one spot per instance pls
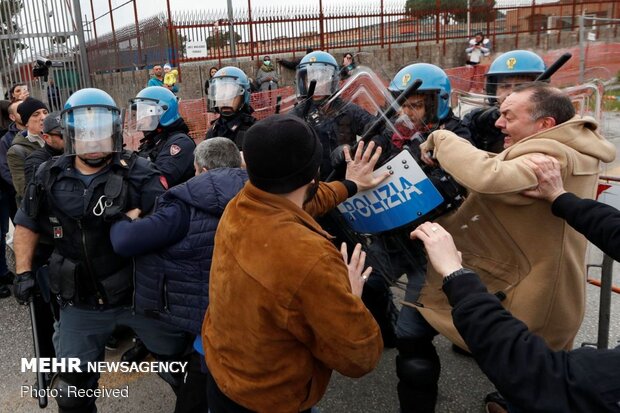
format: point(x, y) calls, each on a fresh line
point(231, 31)
point(79, 31)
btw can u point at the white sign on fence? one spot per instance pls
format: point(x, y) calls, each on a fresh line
point(196, 49)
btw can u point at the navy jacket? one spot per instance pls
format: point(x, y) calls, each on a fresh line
point(176, 243)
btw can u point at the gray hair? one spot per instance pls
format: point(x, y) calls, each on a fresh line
point(217, 153)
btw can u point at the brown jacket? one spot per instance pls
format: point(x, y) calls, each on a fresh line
point(281, 315)
point(521, 251)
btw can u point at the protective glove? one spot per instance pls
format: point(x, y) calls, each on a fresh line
point(23, 286)
point(337, 156)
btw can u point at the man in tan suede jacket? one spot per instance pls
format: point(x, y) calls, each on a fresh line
point(285, 307)
point(534, 262)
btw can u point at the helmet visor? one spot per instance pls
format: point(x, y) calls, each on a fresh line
point(92, 130)
point(144, 115)
point(223, 91)
point(324, 75)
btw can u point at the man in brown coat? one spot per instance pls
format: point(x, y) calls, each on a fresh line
point(533, 261)
point(285, 307)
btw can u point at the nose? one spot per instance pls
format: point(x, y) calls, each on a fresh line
point(500, 123)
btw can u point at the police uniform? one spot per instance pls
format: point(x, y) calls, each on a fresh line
point(172, 152)
point(92, 284)
point(233, 127)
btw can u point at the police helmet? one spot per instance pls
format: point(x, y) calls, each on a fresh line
point(319, 66)
point(92, 123)
point(513, 63)
point(154, 106)
point(435, 85)
point(228, 83)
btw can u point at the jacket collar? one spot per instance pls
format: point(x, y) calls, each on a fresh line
point(280, 203)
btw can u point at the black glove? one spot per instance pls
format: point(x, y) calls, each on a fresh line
point(337, 156)
point(23, 286)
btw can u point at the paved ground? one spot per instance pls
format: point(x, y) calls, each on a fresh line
point(462, 386)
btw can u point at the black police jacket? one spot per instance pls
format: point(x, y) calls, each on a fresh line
point(172, 151)
point(484, 134)
point(339, 125)
point(233, 128)
point(84, 269)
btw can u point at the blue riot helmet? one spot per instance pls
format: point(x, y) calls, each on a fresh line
point(435, 89)
point(516, 63)
point(319, 66)
point(92, 124)
point(153, 106)
point(225, 86)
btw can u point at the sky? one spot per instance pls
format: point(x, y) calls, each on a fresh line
point(146, 8)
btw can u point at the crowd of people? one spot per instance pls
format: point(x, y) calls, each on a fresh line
point(232, 254)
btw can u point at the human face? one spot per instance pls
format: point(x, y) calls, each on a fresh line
point(348, 59)
point(478, 38)
point(507, 84)
point(414, 107)
point(54, 140)
point(35, 123)
point(213, 72)
point(21, 92)
point(158, 71)
point(516, 120)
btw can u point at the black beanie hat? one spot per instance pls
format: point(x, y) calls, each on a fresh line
point(28, 107)
point(281, 153)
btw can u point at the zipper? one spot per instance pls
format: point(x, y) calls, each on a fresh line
point(89, 268)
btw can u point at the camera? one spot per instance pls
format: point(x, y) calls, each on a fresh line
point(42, 61)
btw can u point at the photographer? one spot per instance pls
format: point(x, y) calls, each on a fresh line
point(479, 47)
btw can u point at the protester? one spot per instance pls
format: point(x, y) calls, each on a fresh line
point(521, 253)
point(32, 112)
point(18, 91)
point(531, 376)
point(173, 248)
point(282, 311)
point(507, 71)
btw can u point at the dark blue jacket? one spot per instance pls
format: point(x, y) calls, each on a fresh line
point(172, 275)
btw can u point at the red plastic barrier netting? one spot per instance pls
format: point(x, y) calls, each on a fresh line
point(602, 61)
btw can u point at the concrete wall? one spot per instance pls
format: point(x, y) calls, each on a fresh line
point(125, 85)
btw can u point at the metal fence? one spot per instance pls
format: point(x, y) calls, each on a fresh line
point(41, 45)
point(179, 37)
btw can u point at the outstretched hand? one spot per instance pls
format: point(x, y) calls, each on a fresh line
point(360, 168)
point(440, 248)
point(357, 274)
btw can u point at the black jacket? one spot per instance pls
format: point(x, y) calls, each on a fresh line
point(233, 128)
point(36, 158)
point(481, 124)
point(600, 223)
point(527, 373)
point(171, 150)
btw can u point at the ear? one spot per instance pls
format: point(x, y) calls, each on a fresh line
point(547, 122)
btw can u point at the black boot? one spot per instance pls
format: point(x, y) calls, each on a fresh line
point(137, 353)
point(417, 368)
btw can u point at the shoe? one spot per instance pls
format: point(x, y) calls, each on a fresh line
point(495, 403)
point(112, 343)
point(137, 353)
point(5, 291)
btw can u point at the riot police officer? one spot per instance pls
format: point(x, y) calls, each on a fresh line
point(425, 110)
point(507, 71)
point(74, 199)
point(229, 95)
point(337, 122)
point(166, 141)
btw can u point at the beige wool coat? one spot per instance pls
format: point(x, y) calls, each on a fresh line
point(529, 258)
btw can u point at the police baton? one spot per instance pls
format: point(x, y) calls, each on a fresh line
point(41, 393)
point(278, 104)
point(554, 67)
point(309, 95)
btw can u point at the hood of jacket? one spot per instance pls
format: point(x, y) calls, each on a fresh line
point(211, 191)
point(580, 133)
